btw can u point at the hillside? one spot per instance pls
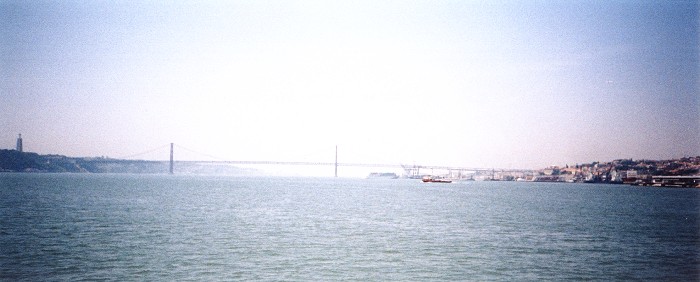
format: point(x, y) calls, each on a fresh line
point(15, 161)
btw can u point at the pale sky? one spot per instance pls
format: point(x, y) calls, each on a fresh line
point(511, 84)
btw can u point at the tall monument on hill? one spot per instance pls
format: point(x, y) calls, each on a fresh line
point(19, 143)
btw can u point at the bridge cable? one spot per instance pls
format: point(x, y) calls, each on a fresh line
point(145, 152)
point(199, 153)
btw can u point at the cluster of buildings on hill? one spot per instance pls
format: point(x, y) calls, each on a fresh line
point(677, 172)
point(683, 172)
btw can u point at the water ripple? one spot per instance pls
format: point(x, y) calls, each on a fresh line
point(135, 227)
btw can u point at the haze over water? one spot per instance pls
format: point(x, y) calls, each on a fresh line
point(504, 84)
point(481, 84)
point(158, 227)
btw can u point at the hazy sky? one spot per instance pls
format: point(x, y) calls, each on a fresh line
point(511, 84)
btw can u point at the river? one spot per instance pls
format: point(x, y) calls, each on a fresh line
point(126, 227)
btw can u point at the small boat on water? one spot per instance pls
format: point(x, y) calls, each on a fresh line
point(429, 178)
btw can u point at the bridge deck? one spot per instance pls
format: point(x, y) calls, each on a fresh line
point(356, 165)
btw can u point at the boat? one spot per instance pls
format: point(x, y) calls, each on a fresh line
point(429, 178)
point(384, 175)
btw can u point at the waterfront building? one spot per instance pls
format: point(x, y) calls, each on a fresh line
point(615, 176)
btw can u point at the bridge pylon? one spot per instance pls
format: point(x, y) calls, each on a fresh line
point(171, 158)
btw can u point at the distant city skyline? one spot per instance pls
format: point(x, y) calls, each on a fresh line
point(511, 84)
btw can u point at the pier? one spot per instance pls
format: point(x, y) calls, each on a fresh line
point(676, 181)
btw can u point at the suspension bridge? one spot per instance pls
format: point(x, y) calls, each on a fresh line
point(411, 171)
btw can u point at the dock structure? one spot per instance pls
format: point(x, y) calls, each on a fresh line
point(418, 171)
point(676, 181)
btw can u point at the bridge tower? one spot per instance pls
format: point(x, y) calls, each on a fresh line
point(336, 160)
point(171, 158)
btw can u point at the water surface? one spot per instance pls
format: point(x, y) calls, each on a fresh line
point(162, 227)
